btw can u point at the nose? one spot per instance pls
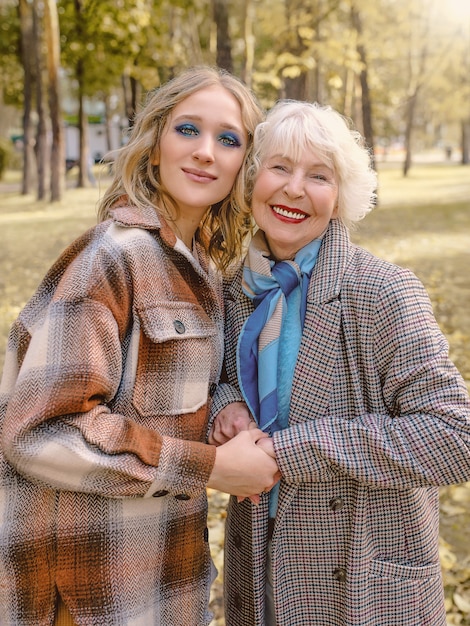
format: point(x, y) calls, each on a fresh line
point(204, 150)
point(295, 185)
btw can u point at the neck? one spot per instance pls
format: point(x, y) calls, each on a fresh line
point(186, 225)
point(184, 232)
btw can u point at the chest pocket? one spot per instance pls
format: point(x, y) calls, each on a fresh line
point(177, 356)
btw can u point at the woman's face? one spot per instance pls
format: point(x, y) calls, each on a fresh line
point(293, 202)
point(201, 150)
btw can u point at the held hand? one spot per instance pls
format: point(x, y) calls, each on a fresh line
point(242, 468)
point(266, 444)
point(232, 419)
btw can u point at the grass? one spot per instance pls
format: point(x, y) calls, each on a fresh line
point(33, 234)
point(423, 222)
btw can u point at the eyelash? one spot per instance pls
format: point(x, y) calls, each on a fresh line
point(229, 140)
point(186, 129)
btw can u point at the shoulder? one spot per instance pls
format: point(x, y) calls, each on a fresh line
point(375, 274)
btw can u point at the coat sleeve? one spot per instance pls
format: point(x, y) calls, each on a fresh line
point(421, 435)
point(59, 427)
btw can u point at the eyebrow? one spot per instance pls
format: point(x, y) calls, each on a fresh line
point(278, 155)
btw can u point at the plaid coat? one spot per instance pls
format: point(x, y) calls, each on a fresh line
point(104, 403)
point(379, 419)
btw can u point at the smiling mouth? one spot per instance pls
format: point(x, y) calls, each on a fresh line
point(291, 214)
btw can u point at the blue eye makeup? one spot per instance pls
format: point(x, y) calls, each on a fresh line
point(230, 139)
point(187, 129)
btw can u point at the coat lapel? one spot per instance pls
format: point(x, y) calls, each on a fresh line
point(321, 335)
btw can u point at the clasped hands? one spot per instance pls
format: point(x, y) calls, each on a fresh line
point(245, 463)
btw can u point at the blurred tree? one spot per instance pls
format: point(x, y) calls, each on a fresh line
point(397, 68)
point(51, 27)
point(224, 46)
point(41, 147)
point(247, 23)
point(101, 41)
point(27, 57)
point(368, 130)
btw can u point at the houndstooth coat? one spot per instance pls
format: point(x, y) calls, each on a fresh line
point(104, 403)
point(379, 419)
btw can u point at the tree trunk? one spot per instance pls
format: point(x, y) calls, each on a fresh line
point(57, 148)
point(295, 88)
point(135, 95)
point(83, 157)
point(465, 142)
point(27, 58)
point(224, 46)
point(410, 114)
point(42, 127)
point(126, 92)
point(107, 124)
point(364, 80)
point(249, 40)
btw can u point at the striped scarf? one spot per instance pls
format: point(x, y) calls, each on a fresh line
point(269, 285)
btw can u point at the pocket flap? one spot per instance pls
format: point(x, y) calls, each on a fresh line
point(384, 569)
point(175, 320)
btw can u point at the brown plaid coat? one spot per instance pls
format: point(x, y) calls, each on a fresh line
point(379, 419)
point(104, 403)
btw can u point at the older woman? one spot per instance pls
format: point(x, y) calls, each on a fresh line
point(338, 356)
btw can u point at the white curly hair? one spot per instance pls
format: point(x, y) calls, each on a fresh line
point(292, 126)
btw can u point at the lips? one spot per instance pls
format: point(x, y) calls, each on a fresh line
point(199, 176)
point(288, 213)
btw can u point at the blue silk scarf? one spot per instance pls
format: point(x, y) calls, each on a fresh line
point(270, 285)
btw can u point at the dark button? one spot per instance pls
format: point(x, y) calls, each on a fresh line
point(206, 534)
point(336, 504)
point(340, 574)
point(237, 540)
point(237, 600)
point(182, 496)
point(160, 493)
point(179, 327)
point(212, 389)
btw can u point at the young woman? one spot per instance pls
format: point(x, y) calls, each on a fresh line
point(339, 357)
point(108, 377)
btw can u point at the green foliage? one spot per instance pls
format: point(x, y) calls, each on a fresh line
point(308, 43)
point(11, 74)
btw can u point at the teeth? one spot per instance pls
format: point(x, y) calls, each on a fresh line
point(290, 214)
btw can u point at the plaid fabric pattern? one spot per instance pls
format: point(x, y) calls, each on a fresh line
point(379, 419)
point(104, 403)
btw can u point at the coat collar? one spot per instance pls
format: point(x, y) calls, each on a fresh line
point(147, 218)
point(327, 275)
point(129, 216)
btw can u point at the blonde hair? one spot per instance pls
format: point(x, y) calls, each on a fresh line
point(225, 226)
point(291, 127)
